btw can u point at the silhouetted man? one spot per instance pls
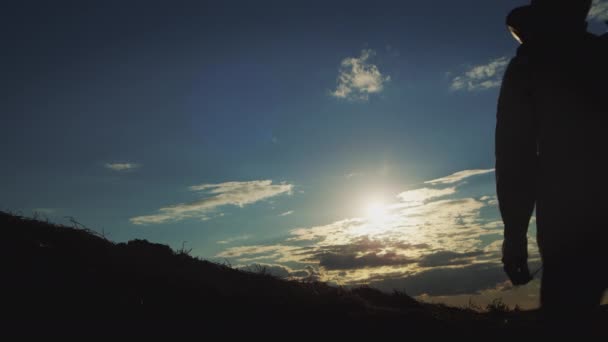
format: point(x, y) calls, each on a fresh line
point(552, 152)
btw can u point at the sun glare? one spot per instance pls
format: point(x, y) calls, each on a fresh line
point(376, 211)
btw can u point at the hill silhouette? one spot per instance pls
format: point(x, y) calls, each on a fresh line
point(61, 280)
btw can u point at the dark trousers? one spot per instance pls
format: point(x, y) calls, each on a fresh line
point(571, 293)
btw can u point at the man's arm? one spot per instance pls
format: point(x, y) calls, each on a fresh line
point(516, 159)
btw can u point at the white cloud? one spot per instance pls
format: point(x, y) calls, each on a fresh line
point(331, 234)
point(358, 78)
point(256, 253)
point(281, 271)
point(525, 297)
point(599, 11)
point(420, 196)
point(287, 213)
point(490, 200)
point(425, 236)
point(458, 176)
point(122, 166)
point(234, 239)
point(421, 232)
point(452, 225)
point(493, 225)
point(353, 175)
point(481, 77)
point(229, 193)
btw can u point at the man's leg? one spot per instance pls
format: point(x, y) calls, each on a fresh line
point(571, 291)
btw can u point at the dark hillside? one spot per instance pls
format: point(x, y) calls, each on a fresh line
point(64, 280)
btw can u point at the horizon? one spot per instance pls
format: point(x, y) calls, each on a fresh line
point(347, 143)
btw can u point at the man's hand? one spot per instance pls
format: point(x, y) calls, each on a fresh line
point(515, 261)
point(519, 274)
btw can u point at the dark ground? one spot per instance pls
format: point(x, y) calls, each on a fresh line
point(60, 280)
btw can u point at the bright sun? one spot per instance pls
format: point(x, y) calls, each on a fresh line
point(376, 211)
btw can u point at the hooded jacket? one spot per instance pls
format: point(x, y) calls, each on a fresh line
point(552, 144)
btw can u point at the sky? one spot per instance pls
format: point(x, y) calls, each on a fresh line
point(346, 141)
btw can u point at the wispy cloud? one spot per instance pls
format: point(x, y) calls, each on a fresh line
point(525, 297)
point(420, 196)
point(353, 175)
point(121, 166)
point(481, 77)
point(448, 258)
point(287, 213)
point(458, 176)
point(491, 200)
point(235, 239)
point(359, 78)
point(599, 11)
point(335, 261)
point(255, 253)
point(441, 229)
point(218, 195)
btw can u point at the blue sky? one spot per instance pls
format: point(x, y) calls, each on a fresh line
point(303, 135)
